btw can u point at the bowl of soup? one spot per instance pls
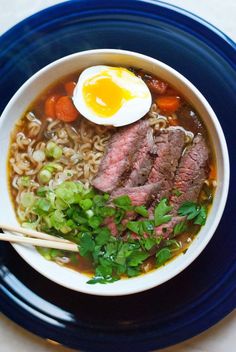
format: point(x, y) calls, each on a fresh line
point(120, 154)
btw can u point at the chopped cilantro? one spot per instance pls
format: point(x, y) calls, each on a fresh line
point(123, 202)
point(161, 211)
point(102, 236)
point(95, 221)
point(180, 228)
point(201, 218)
point(133, 272)
point(162, 256)
point(142, 210)
point(149, 243)
point(148, 226)
point(172, 244)
point(137, 257)
point(134, 226)
point(193, 211)
point(86, 244)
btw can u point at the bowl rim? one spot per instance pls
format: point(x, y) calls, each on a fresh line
point(225, 161)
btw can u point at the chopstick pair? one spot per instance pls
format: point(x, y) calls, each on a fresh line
point(36, 238)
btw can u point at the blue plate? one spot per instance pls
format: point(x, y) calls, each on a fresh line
point(206, 291)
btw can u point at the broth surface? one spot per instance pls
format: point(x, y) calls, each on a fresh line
point(81, 146)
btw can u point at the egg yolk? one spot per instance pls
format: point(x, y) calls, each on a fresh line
point(104, 96)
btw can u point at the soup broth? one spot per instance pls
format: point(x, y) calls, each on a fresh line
point(47, 152)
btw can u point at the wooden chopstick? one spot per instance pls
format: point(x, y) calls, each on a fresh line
point(39, 238)
point(33, 233)
point(39, 242)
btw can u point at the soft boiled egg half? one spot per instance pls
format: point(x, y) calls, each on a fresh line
point(111, 96)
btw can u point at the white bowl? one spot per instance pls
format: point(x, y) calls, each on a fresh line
point(69, 64)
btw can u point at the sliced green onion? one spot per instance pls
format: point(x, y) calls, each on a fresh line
point(30, 225)
point(24, 181)
point(86, 204)
point(56, 166)
point(44, 176)
point(27, 199)
point(89, 213)
point(45, 252)
point(38, 155)
point(53, 150)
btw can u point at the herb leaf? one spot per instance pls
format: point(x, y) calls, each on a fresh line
point(201, 218)
point(180, 228)
point(190, 209)
point(161, 211)
point(134, 226)
point(103, 236)
point(86, 244)
point(172, 244)
point(101, 280)
point(148, 226)
point(123, 202)
point(136, 258)
point(142, 210)
point(193, 211)
point(95, 222)
point(163, 255)
point(149, 243)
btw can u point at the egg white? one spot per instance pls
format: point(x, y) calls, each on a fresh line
point(130, 111)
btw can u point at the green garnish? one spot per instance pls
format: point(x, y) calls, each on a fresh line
point(163, 255)
point(137, 257)
point(142, 210)
point(24, 181)
point(27, 199)
point(149, 243)
point(201, 217)
point(53, 150)
point(44, 176)
point(123, 202)
point(180, 228)
point(134, 226)
point(194, 211)
point(161, 211)
point(176, 192)
point(81, 215)
point(172, 244)
point(86, 244)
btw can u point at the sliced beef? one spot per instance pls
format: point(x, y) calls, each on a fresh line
point(139, 195)
point(119, 155)
point(142, 163)
point(190, 176)
point(169, 146)
point(191, 173)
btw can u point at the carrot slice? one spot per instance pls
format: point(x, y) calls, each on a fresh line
point(49, 106)
point(212, 175)
point(69, 87)
point(65, 109)
point(168, 104)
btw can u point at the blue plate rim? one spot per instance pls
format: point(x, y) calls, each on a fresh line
point(212, 31)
